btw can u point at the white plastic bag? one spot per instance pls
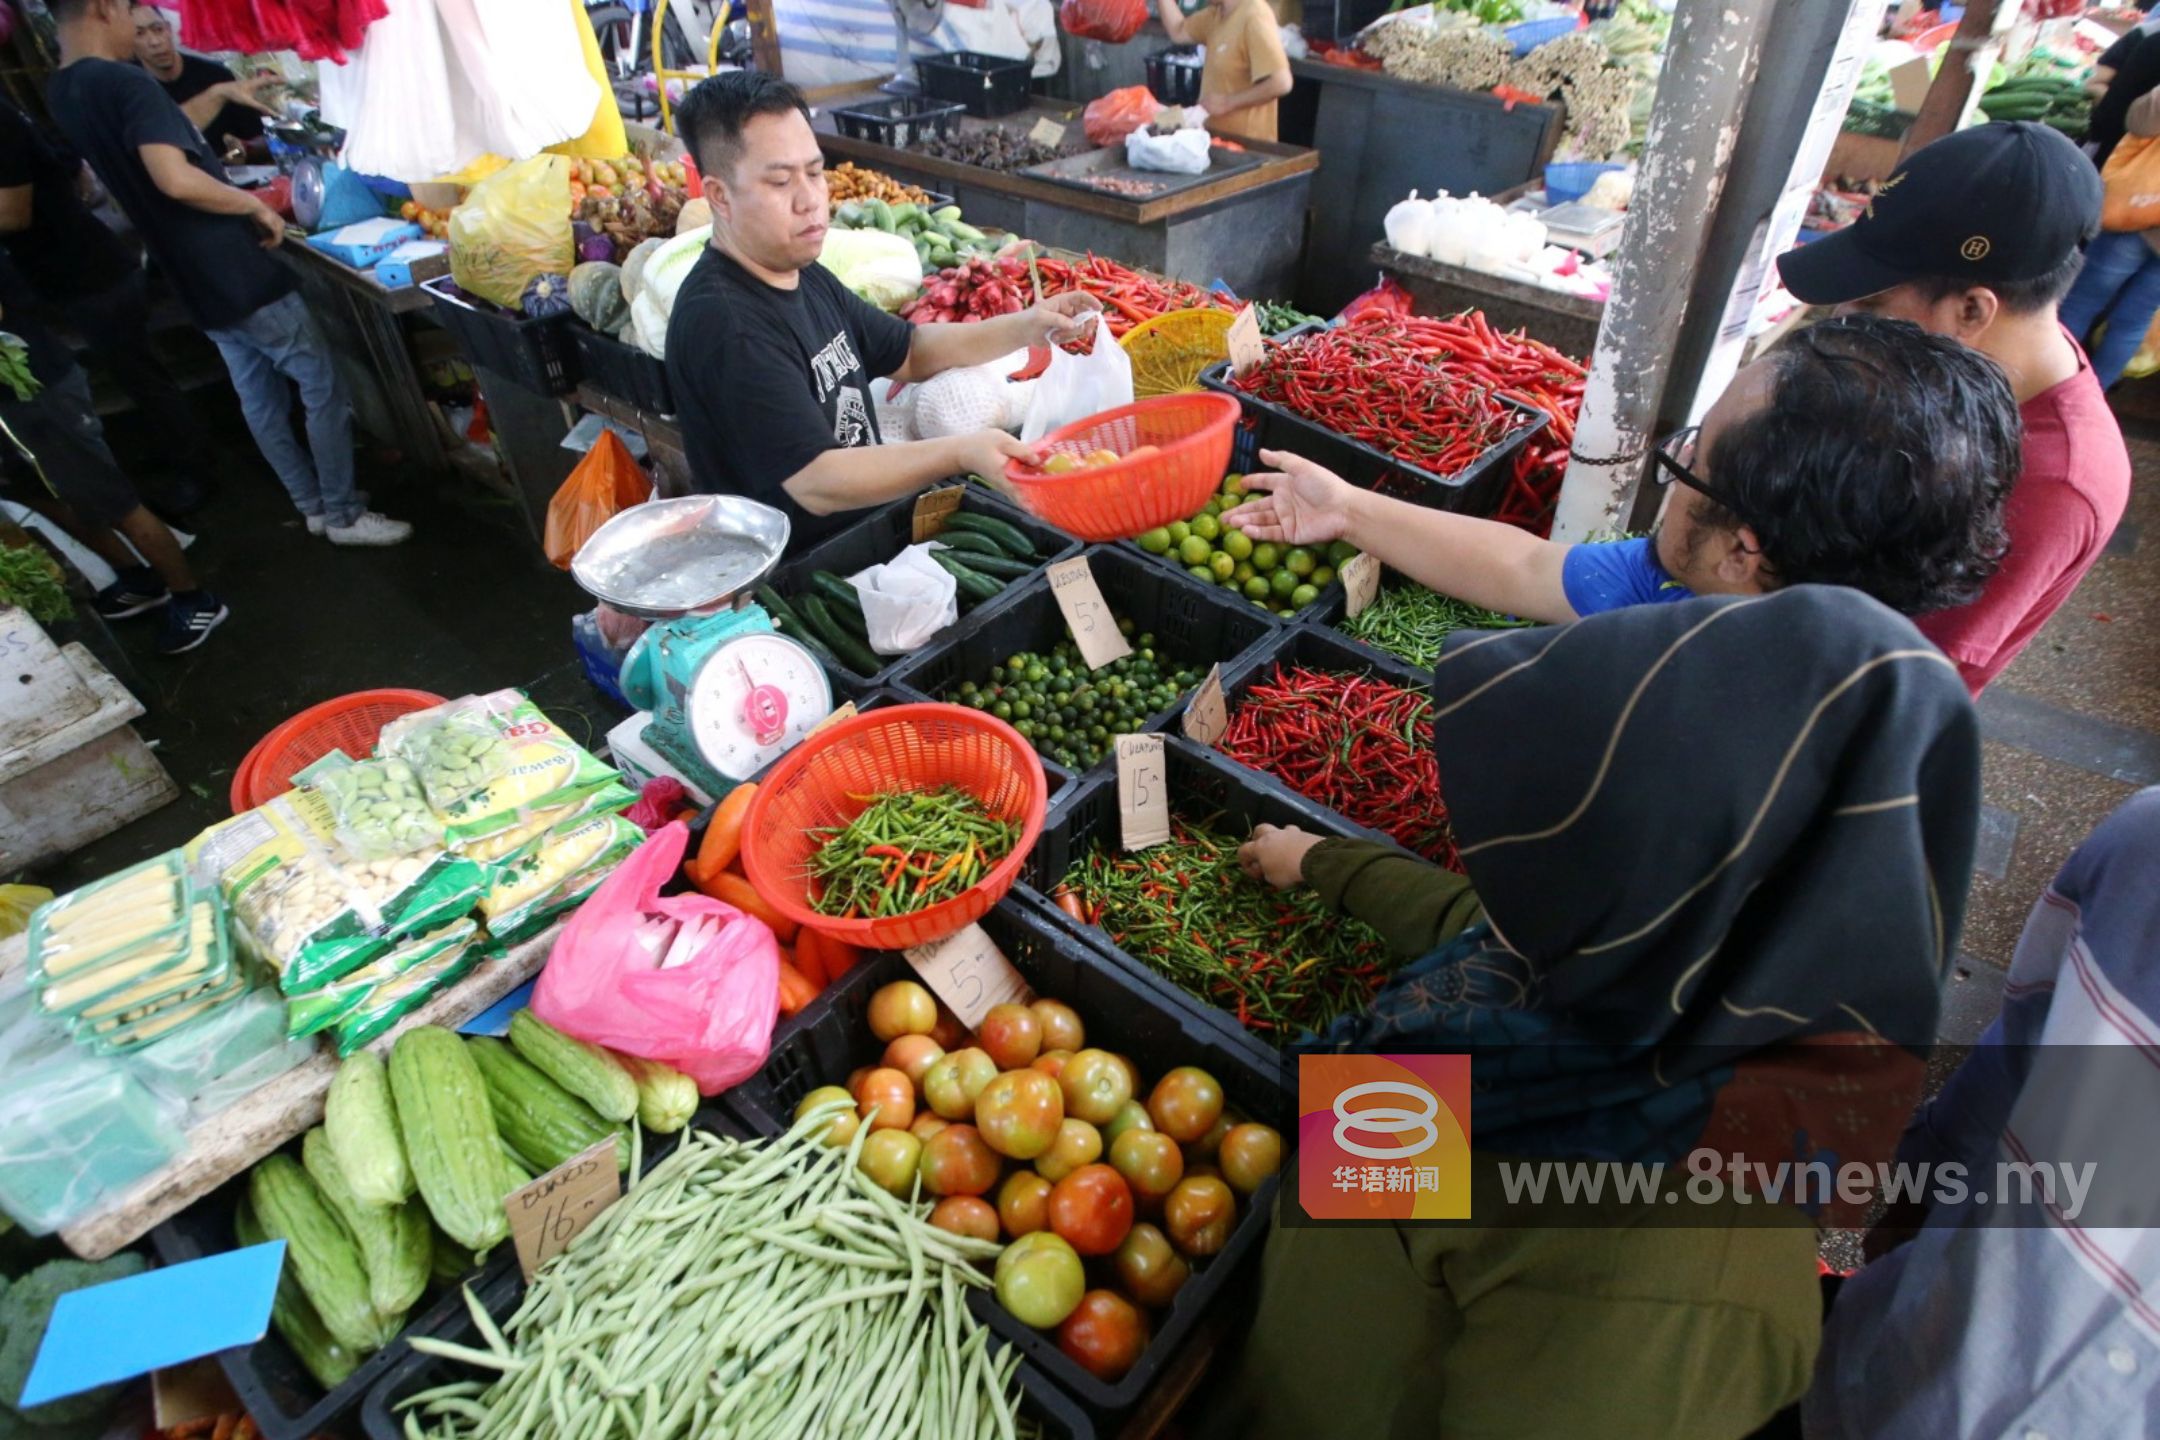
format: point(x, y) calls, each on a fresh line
point(1184, 152)
point(1077, 386)
point(906, 600)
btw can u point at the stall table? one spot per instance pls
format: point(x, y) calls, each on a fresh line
point(362, 319)
point(1245, 227)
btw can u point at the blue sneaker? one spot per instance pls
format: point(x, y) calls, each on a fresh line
point(138, 589)
point(188, 622)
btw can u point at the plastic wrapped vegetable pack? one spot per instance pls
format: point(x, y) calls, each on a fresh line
point(505, 847)
point(380, 807)
point(546, 770)
point(325, 1006)
point(453, 749)
point(567, 864)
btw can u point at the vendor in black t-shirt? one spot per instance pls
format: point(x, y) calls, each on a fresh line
point(228, 111)
point(771, 357)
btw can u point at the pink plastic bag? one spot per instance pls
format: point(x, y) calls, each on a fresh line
point(710, 1016)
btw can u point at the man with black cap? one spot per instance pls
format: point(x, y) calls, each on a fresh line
point(1978, 237)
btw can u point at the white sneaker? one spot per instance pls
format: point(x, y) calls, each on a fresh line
point(370, 529)
point(315, 524)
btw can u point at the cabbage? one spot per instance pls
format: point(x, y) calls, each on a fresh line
point(664, 271)
point(881, 268)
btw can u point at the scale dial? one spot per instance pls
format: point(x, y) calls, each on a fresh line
point(718, 712)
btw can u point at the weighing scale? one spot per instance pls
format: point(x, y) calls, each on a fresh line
point(724, 695)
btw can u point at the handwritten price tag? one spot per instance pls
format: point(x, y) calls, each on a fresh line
point(1207, 715)
point(1143, 791)
point(1246, 349)
point(970, 974)
point(1361, 584)
point(1087, 616)
point(1048, 132)
point(931, 508)
point(553, 1210)
point(846, 711)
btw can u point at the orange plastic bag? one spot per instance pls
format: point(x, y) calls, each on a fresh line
point(604, 484)
point(1109, 120)
point(1112, 21)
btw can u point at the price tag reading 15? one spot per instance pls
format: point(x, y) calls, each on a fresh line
point(1093, 626)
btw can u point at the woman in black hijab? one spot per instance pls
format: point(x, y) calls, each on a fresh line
point(1717, 855)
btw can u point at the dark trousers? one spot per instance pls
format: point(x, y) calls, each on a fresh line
point(116, 325)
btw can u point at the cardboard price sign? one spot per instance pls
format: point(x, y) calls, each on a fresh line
point(970, 974)
point(1048, 132)
point(846, 711)
point(553, 1210)
point(1360, 576)
point(1207, 714)
point(931, 508)
point(1143, 787)
point(1246, 347)
point(1087, 615)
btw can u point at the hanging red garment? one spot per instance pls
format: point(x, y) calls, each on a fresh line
point(313, 29)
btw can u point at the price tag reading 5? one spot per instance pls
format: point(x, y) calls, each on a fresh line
point(970, 974)
point(1143, 791)
point(1089, 618)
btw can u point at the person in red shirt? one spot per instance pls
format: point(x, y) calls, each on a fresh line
point(1978, 237)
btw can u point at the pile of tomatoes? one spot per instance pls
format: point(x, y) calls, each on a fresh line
point(1107, 1192)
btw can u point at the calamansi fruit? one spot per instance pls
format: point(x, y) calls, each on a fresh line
point(1194, 550)
point(1156, 541)
point(1236, 543)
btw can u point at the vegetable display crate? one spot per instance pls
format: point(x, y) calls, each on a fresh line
point(899, 122)
point(988, 85)
point(885, 532)
point(1173, 75)
point(413, 1372)
point(1157, 1030)
point(1473, 490)
point(1191, 623)
point(1329, 611)
point(623, 371)
point(1204, 787)
point(272, 1384)
point(537, 354)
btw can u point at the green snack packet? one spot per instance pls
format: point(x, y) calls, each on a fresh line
point(547, 770)
point(327, 1005)
point(392, 1000)
point(566, 865)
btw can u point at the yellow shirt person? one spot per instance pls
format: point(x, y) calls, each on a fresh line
point(1246, 70)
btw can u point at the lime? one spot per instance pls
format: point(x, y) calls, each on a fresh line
point(1213, 507)
point(1257, 589)
point(1302, 596)
point(1193, 550)
point(1234, 485)
point(1321, 576)
point(1339, 551)
point(1223, 566)
point(1156, 541)
point(1201, 573)
point(1206, 526)
point(1179, 529)
point(1237, 543)
point(1265, 555)
point(1299, 561)
point(1282, 582)
point(1243, 572)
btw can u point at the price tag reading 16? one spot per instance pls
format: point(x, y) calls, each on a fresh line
point(1089, 618)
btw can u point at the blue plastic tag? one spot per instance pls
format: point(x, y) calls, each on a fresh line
point(495, 1020)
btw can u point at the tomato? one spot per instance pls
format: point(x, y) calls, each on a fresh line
point(1250, 1153)
point(1092, 1207)
point(1010, 1035)
point(927, 1123)
point(952, 1084)
point(948, 1031)
point(890, 1158)
point(1023, 1203)
point(911, 1055)
point(1061, 1028)
point(1105, 1335)
point(966, 1215)
point(1040, 1279)
point(1200, 1214)
point(956, 1162)
point(1148, 1268)
point(902, 1008)
point(1051, 1062)
point(1078, 1143)
point(1186, 1103)
point(1150, 1161)
point(1132, 1115)
point(855, 1077)
point(1096, 1086)
point(891, 1095)
point(1207, 1145)
point(1019, 1113)
point(842, 1132)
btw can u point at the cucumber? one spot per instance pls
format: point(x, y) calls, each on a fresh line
point(969, 541)
point(1008, 538)
point(800, 633)
point(585, 1070)
point(783, 615)
point(540, 1120)
point(976, 587)
point(999, 565)
point(853, 653)
point(839, 596)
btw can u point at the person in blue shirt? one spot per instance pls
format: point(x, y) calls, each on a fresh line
point(1860, 451)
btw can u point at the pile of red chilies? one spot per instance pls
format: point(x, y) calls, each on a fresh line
point(1358, 745)
point(1128, 296)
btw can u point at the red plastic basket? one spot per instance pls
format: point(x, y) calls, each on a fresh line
point(830, 777)
point(351, 723)
point(1192, 435)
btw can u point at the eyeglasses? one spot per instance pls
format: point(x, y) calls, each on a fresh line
point(1675, 456)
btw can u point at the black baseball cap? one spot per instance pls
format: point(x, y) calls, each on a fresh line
point(2005, 201)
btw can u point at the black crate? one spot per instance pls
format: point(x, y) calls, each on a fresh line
point(413, 1372)
point(1328, 612)
point(900, 122)
point(272, 1384)
point(535, 353)
point(1193, 624)
point(623, 371)
point(1204, 786)
point(885, 532)
point(1173, 75)
point(988, 85)
point(1331, 22)
point(1157, 1028)
point(1475, 489)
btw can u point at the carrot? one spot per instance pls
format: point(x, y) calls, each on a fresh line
point(795, 991)
point(736, 891)
point(839, 956)
point(810, 957)
point(723, 833)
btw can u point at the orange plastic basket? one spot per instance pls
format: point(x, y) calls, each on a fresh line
point(830, 777)
point(1191, 435)
point(351, 723)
